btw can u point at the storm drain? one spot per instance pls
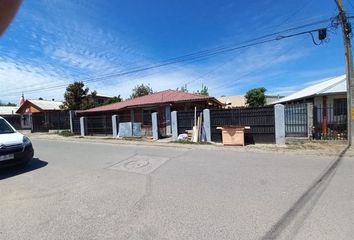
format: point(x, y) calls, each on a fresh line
point(140, 164)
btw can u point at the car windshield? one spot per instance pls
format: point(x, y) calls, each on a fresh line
point(5, 127)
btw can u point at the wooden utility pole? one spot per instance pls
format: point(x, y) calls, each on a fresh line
point(346, 28)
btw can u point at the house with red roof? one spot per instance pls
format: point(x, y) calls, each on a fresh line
point(139, 109)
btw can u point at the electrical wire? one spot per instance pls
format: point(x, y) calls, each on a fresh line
point(189, 57)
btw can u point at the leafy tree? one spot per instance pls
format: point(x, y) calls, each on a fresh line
point(204, 91)
point(77, 97)
point(40, 98)
point(183, 88)
point(141, 90)
point(256, 97)
point(113, 100)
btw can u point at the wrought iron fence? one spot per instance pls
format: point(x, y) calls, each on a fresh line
point(260, 120)
point(296, 123)
point(99, 125)
point(330, 122)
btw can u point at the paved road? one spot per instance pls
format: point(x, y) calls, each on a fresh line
point(109, 191)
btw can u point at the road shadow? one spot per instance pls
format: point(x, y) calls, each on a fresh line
point(293, 219)
point(34, 164)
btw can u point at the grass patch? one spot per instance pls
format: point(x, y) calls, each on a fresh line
point(131, 138)
point(66, 133)
point(190, 142)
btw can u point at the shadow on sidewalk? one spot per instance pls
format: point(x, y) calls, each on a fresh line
point(293, 219)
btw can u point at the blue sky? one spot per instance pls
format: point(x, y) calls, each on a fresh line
point(54, 42)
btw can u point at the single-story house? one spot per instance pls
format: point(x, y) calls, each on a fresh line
point(42, 115)
point(139, 109)
point(329, 92)
point(240, 101)
point(8, 110)
point(329, 98)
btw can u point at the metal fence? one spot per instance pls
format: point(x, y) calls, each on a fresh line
point(55, 120)
point(330, 122)
point(99, 125)
point(76, 125)
point(296, 124)
point(185, 120)
point(260, 120)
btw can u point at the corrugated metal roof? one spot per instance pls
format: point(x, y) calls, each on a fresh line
point(328, 86)
point(47, 105)
point(167, 96)
point(8, 110)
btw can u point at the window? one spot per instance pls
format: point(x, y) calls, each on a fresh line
point(5, 127)
point(147, 116)
point(340, 106)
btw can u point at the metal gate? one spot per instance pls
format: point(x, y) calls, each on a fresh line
point(296, 124)
point(260, 120)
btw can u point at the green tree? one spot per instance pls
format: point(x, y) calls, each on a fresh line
point(77, 97)
point(204, 91)
point(183, 88)
point(256, 97)
point(141, 90)
point(113, 100)
point(40, 98)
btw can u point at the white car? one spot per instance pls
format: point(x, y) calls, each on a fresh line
point(15, 148)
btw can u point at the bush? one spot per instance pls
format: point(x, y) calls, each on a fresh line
point(66, 133)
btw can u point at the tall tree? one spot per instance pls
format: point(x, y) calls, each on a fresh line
point(77, 97)
point(141, 90)
point(256, 97)
point(114, 99)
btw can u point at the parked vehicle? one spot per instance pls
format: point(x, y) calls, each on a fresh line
point(15, 148)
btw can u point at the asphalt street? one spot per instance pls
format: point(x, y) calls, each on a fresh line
point(78, 190)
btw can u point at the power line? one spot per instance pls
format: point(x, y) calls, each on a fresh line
point(189, 57)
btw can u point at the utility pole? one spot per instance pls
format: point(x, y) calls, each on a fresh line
point(346, 28)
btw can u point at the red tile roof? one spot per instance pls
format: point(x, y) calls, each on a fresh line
point(167, 96)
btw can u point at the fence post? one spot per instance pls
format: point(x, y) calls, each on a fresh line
point(168, 120)
point(206, 124)
point(279, 116)
point(309, 119)
point(174, 125)
point(115, 125)
point(71, 117)
point(155, 126)
point(83, 126)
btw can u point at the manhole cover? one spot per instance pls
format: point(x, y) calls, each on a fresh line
point(140, 164)
point(136, 164)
